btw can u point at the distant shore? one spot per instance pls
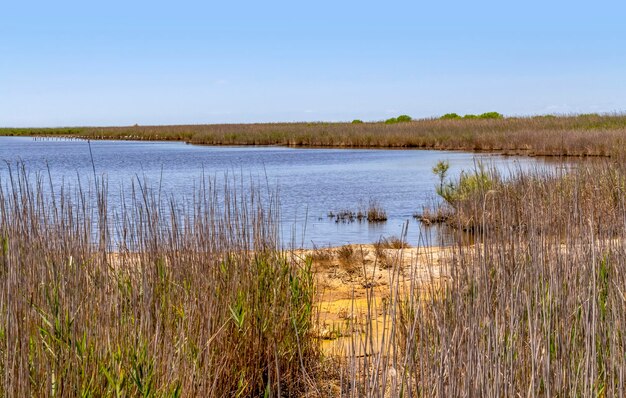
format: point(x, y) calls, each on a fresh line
point(578, 135)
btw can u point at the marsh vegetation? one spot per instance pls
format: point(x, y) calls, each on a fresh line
point(373, 213)
point(535, 307)
point(157, 298)
point(577, 135)
point(151, 298)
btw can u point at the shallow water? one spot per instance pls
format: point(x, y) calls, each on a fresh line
point(311, 182)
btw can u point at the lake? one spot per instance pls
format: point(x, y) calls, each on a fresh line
point(311, 182)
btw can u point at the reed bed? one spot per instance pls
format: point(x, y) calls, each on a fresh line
point(151, 298)
point(155, 298)
point(375, 212)
point(536, 307)
point(578, 135)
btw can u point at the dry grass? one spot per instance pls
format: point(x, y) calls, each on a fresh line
point(375, 212)
point(347, 257)
point(386, 250)
point(149, 299)
point(392, 242)
point(582, 135)
point(440, 214)
point(118, 301)
point(536, 307)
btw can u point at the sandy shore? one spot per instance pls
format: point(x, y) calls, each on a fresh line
point(353, 283)
point(351, 277)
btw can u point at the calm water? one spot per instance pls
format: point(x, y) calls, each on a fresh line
point(311, 182)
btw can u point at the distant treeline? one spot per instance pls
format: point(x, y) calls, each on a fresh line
point(549, 135)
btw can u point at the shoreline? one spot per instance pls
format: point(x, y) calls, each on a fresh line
point(591, 135)
point(352, 289)
point(494, 152)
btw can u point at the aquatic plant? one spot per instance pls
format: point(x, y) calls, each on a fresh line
point(375, 212)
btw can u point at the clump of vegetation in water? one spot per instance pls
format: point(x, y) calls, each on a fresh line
point(373, 213)
point(438, 215)
point(346, 216)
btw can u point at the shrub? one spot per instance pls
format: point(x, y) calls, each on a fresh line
point(479, 180)
point(357, 121)
point(450, 116)
point(441, 171)
point(490, 115)
point(399, 119)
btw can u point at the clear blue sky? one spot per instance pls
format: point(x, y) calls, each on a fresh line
point(153, 62)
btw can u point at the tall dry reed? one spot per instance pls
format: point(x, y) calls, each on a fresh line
point(148, 298)
point(106, 301)
point(536, 307)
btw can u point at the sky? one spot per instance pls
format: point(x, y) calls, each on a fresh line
point(78, 63)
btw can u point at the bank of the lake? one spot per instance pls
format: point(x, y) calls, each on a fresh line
point(546, 135)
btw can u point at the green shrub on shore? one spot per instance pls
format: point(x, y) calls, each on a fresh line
point(490, 115)
point(450, 116)
point(469, 183)
point(486, 115)
point(399, 119)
